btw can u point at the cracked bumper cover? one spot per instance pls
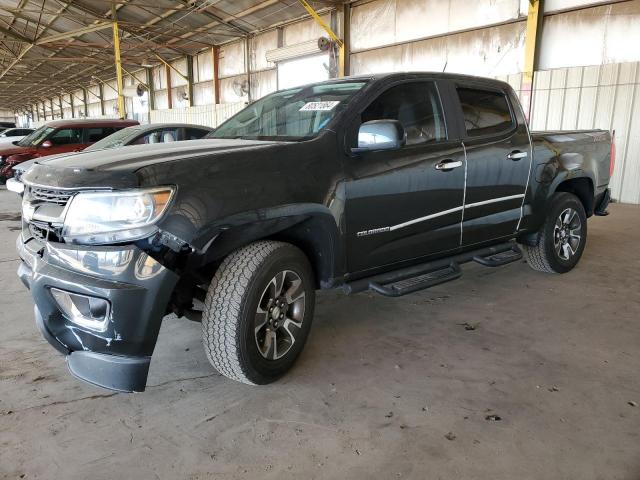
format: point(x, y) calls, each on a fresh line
point(137, 287)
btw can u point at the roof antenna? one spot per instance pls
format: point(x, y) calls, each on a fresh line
point(445, 65)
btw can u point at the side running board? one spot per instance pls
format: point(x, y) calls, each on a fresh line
point(420, 282)
point(410, 279)
point(499, 259)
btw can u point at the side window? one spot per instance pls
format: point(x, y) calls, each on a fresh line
point(169, 135)
point(98, 133)
point(194, 133)
point(66, 136)
point(485, 112)
point(416, 106)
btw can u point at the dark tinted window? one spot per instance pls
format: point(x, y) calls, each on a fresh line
point(194, 133)
point(98, 133)
point(66, 136)
point(416, 106)
point(485, 112)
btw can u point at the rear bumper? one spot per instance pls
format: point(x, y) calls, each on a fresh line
point(137, 288)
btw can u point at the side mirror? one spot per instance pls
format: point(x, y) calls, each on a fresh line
point(46, 144)
point(380, 135)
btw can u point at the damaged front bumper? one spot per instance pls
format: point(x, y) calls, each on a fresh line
point(133, 285)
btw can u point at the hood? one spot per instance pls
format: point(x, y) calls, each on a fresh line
point(116, 168)
point(7, 149)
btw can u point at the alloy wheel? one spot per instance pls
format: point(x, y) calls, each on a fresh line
point(279, 315)
point(567, 234)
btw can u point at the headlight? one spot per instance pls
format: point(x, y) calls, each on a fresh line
point(113, 217)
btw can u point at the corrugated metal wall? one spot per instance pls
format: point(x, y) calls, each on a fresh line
point(210, 115)
point(601, 96)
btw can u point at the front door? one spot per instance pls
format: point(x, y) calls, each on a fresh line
point(498, 162)
point(63, 140)
point(404, 204)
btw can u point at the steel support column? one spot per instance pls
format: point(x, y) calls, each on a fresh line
point(101, 92)
point(116, 52)
point(215, 51)
point(151, 89)
point(167, 71)
point(85, 99)
point(531, 42)
point(247, 62)
point(190, 79)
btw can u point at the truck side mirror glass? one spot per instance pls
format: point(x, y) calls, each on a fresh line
point(380, 135)
point(46, 144)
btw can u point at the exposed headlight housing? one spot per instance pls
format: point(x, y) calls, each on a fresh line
point(115, 217)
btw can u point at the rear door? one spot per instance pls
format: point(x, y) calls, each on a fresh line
point(498, 156)
point(399, 204)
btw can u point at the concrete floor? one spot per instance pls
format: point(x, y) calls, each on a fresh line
point(386, 388)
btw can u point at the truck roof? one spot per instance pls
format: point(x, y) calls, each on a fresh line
point(417, 74)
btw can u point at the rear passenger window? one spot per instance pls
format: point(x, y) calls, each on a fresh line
point(195, 133)
point(98, 133)
point(485, 112)
point(416, 106)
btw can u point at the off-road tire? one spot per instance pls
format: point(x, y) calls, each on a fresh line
point(230, 311)
point(542, 255)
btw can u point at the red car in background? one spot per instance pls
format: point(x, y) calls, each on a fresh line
point(57, 136)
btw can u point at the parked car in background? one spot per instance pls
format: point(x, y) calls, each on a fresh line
point(11, 135)
point(135, 135)
point(152, 133)
point(57, 136)
point(5, 125)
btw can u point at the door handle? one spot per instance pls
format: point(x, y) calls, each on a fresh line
point(446, 165)
point(516, 155)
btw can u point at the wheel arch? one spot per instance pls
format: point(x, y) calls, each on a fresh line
point(310, 227)
point(582, 187)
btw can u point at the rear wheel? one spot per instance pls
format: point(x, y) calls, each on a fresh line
point(258, 312)
point(561, 240)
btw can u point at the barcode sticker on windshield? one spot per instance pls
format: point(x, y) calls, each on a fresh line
point(319, 106)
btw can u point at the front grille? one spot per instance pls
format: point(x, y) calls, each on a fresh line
point(59, 197)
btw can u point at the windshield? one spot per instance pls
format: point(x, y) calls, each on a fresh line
point(35, 137)
point(294, 114)
point(115, 140)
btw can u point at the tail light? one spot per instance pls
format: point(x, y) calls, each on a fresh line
point(612, 155)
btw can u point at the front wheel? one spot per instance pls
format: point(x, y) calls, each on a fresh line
point(258, 312)
point(561, 240)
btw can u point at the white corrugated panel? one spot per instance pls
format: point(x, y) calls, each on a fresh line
point(385, 22)
point(161, 99)
point(489, 52)
point(203, 66)
point(94, 110)
point(606, 34)
point(227, 92)
point(306, 30)
point(181, 66)
point(209, 115)
point(203, 93)
point(159, 77)
point(231, 59)
point(110, 90)
point(263, 83)
point(260, 45)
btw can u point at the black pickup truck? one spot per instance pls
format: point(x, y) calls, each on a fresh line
point(385, 182)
